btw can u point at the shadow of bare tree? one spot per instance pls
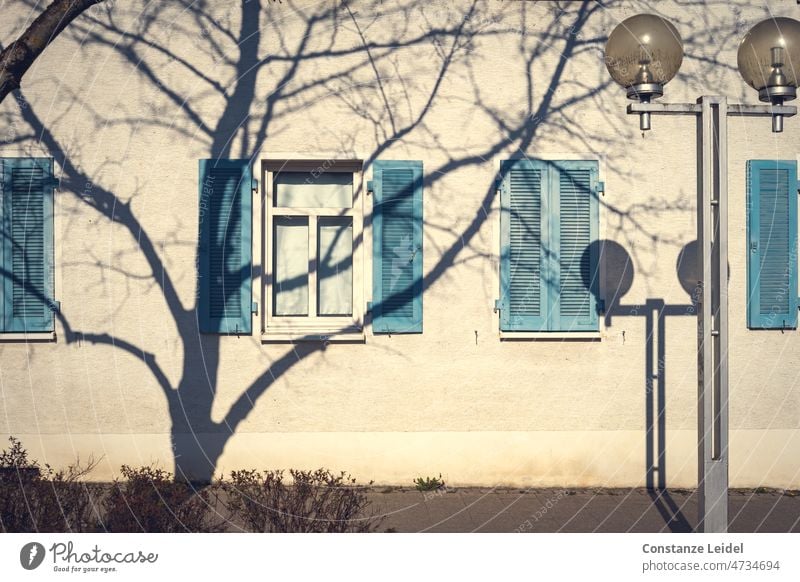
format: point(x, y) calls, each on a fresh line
point(228, 80)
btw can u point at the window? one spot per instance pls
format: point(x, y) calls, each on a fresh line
point(26, 261)
point(772, 244)
point(549, 221)
point(314, 248)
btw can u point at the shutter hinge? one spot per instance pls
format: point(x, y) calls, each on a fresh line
point(369, 306)
point(601, 187)
point(55, 306)
point(254, 307)
point(601, 306)
point(497, 305)
point(254, 184)
point(370, 187)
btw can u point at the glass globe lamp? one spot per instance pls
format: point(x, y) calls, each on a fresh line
point(769, 61)
point(643, 53)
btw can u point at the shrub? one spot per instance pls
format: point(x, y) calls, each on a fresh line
point(429, 483)
point(33, 498)
point(17, 478)
point(316, 501)
point(148, 500)
point(72, 503)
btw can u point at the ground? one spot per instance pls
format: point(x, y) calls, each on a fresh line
point(577, 510)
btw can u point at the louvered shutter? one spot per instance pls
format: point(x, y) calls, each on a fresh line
point(225, 299)
point(523, 293)
point(574, 227)
point(397, 247)
point(772, 244)
point(27, 242)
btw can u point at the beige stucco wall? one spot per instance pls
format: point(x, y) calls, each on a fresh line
point(455, 400)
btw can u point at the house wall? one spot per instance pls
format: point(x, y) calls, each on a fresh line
point(129, 377)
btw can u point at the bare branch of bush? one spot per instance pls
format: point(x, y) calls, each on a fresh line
point(315, 501)
point(35, 498)
point(149, 500)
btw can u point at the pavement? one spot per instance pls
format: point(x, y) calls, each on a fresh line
point(576, 510)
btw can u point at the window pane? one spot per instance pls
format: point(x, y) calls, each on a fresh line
point(291, 266)
point(314, 189)
point(335, 280)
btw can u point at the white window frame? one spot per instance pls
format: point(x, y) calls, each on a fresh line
point(312, 327)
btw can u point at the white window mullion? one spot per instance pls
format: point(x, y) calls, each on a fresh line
point(285, 211)
point(360, 250)
point(269, 251)
point(313, 266)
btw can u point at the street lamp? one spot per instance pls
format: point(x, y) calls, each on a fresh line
point(643, 53)
point(769, 60)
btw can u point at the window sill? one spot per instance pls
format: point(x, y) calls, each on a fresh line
point(557, 336)
point(21, 337)
point(353, 335)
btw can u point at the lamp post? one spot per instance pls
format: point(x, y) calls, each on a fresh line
point(643, 54)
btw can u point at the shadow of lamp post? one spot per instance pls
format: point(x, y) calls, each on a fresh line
point(644, 53)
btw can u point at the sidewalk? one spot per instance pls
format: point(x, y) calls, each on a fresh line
point(576, 510)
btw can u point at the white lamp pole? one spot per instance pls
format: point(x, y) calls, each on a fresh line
point(643, 54)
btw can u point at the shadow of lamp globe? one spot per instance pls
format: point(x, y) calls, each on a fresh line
point(643, 54)
point(688, 271)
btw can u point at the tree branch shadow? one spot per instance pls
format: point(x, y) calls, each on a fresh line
point(265, 91)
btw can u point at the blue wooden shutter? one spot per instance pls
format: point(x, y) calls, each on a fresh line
point(523, 294)
point(27, 242)
point(397, 247)
point(225, 299)
point(574, 219)
point(772, 244)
